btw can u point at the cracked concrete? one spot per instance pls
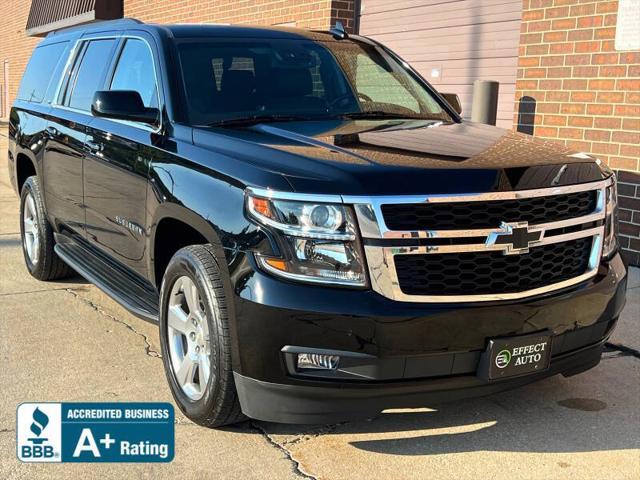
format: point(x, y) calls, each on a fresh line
point(67, 341)
point(297, 468)
point(66, 345)
point(148, 348)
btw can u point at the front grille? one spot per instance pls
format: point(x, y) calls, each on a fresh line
point(491, 272)
point(488, 214)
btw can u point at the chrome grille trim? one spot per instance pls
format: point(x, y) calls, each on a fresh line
point(372, 225)
point(483, 247)
point(380, 259)
point(384, 279)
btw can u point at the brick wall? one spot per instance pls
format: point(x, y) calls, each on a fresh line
point(629, 215)
point(15, 46)
point(583, 92)
point(312, 14)
point(306, 13)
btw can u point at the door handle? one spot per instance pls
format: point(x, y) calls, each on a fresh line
point(94, 147)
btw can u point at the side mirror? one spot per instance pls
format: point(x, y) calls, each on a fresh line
point(454, 101)
point(123, 105)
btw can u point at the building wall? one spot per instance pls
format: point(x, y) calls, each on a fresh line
point(584, 93)
point(452, 43)
point(313, 14)
point(15, 46)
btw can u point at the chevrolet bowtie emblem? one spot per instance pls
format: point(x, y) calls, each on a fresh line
point(515, 238)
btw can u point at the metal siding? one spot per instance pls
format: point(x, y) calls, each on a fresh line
point(46, 15)
point(466, 40)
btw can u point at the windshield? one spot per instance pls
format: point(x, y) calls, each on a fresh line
point(298, 79)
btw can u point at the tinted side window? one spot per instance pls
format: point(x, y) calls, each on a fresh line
point(135, 71)
point(90, 73)
point(39, 72)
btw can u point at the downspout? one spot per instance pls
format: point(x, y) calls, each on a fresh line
point(5, 93)
point(356, 16)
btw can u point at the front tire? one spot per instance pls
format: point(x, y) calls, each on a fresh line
point(195, 340)
point(37, 235)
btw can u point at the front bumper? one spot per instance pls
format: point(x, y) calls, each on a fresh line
point(299, 404)
point(433, 349)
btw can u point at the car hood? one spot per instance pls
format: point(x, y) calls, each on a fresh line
point(394, 157)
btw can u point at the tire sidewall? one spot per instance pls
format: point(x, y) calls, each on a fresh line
point(31, 187)
point(186, 264)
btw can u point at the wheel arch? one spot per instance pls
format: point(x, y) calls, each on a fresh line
point(194, 230)
point(25, 167)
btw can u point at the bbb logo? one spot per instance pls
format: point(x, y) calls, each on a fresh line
point(38, 449)
point(38, 432)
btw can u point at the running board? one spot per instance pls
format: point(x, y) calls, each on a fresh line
point(128, 289)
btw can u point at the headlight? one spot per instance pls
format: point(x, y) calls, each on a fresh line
point(611, 220)
point(319, 242)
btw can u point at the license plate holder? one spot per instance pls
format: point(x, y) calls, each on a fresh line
point(515, 356)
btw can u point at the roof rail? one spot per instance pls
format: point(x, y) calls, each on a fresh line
point(100, 23)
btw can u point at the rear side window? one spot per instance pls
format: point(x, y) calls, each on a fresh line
point(90, 74)
point(39, 72)
point(135, 71)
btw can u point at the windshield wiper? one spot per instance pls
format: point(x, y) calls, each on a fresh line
point(380, 114)
point(254, 119)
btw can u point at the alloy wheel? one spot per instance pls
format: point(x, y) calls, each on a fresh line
point(188, 338)
point(31, 224)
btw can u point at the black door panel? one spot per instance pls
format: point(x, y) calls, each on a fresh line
point(115, 190)
point(119, 154)
point(62, 168)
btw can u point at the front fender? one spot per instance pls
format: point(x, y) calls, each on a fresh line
point(191, 218)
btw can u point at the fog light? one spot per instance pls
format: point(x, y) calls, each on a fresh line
point(317, 361)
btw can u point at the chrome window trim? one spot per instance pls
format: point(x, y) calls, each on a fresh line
point(73, 56)
point(139, 126)
point(65, 71)
point(68, 70)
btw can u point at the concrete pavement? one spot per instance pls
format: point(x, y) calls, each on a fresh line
point(67, 341)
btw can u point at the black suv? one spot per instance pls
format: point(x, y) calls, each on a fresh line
point(318, 233)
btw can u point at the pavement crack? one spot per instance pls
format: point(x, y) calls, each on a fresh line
point(623, 349)
point(187, 423)
point(296, 467)
point(43, 290)
point(7, 430)
point(324, 430)
point(147, 344)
